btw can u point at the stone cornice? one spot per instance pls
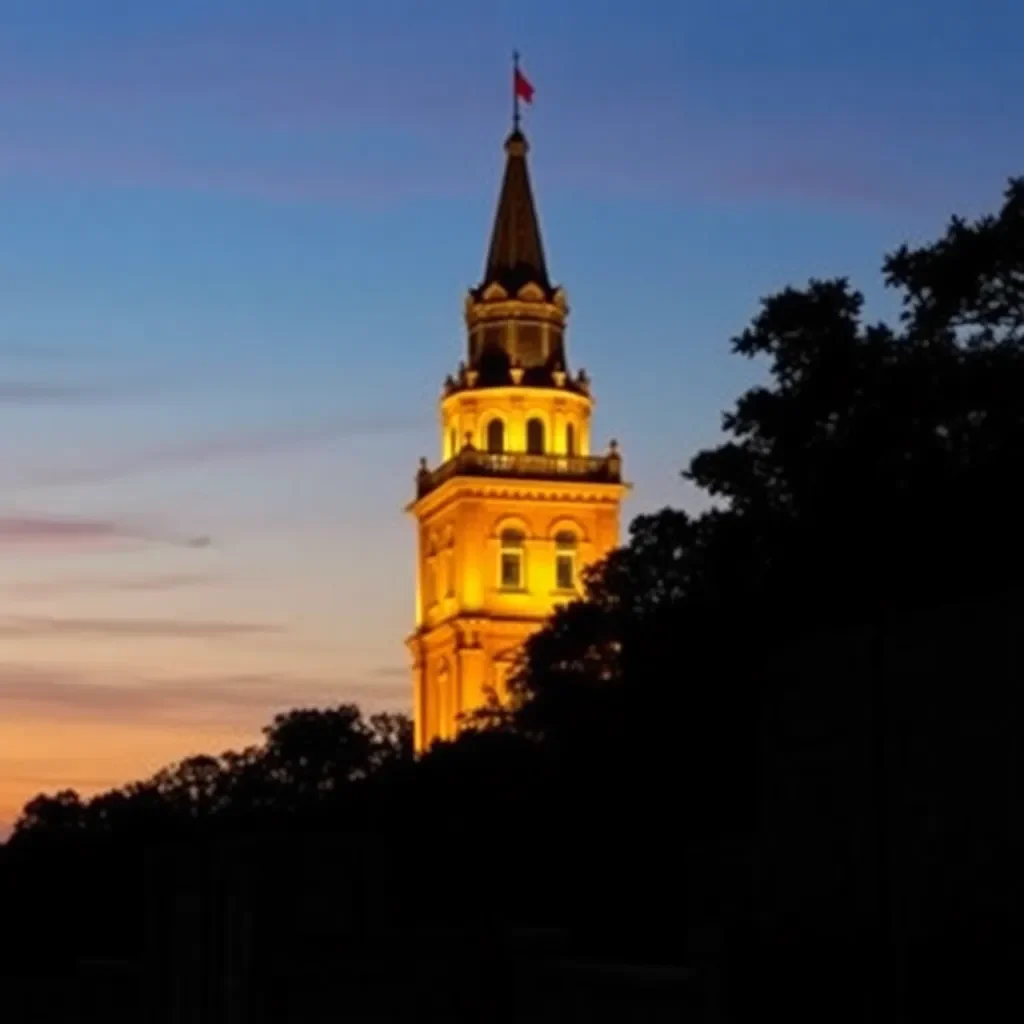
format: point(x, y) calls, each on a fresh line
point(478, 312)
point(515, 394)
point(455, 629)
point(538, 492)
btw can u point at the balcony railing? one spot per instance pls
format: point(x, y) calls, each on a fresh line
point(604, 469)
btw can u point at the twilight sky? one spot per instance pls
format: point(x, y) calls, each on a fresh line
point(235, 242)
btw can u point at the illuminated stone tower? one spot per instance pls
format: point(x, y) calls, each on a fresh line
point(518, 505)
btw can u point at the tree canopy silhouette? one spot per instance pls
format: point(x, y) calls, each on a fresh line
point(869, 480)
point(873, 467)
point(309, 759)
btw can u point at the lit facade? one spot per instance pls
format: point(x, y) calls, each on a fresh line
point(518, 505)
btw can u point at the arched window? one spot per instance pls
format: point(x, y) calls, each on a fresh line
point(496, 436)
point(430, 571)
point(513, 575)
point(453, 443)
point(570, 439)
point(449, 563)
point(565, 560)
point(441, 567)
point(443, 702)
point(535, 436)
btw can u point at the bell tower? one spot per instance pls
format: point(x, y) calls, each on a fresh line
point(517, 506)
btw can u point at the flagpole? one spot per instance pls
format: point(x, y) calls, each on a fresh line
point(515, 91)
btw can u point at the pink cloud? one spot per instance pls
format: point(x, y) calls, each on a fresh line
point(391, 672)
point(73, 695)
point(29, 392)
point(228, 446)
point(279, 74)
point(35, 392)
point(828, 182)
point(44, 626)
point(138, 584)
point(122, 167)
point(76, 531)
point(28, 774)
point(21, 529)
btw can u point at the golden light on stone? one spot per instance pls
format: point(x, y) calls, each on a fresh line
point(518, 506)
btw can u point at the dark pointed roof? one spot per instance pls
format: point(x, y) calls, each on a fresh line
point(516, 254)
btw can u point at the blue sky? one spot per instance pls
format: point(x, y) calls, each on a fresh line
point(236, 239)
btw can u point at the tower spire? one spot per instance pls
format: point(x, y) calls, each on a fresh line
point(515, 317)
point(516, 254)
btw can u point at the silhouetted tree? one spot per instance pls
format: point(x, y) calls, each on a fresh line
point(62, 814)
point(873, 467)
point(870, 479)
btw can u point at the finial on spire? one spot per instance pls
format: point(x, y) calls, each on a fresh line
point(515, 91)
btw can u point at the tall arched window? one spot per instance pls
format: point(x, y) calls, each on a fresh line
point(443, 704)
point(570, 439)
point(453, 443)
point(430, 570)
point(449, 563)
point(496, 436)
point(513, 569)
point(441, 567)
point(535, 436)
point(565, 560)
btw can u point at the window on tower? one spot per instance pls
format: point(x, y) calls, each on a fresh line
point(440, 576)
point(430, 575)
point(528, 345)
point(565, 560)
point(555, 345)
point(570, 439)
point(535, 436)
point(449, 562)
point(513, 544)
point(496, 436)
point(493, 338)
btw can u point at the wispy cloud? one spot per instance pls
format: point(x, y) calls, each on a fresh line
point(71, 695)
point(44, 352)
point(27, 392)
point(77, 531)
point(205, 112)
point(118, 166)
point(46, 626)
point(211, 449)
point(133, 584)
point(46, 529)
point(718, 174)
point(832, 182)
point(17, 771)
point(391, 672)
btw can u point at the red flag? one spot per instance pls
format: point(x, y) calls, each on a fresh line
point(522, 87)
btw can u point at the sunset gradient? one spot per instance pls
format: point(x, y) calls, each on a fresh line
point(236, 239)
